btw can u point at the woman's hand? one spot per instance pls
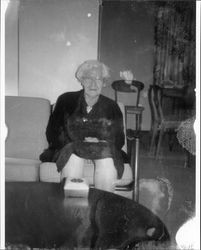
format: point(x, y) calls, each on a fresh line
point(91, 139)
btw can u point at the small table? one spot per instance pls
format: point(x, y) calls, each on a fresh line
point(133, 87)
point(38, 215)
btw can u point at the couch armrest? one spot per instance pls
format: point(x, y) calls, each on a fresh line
point(17, 169)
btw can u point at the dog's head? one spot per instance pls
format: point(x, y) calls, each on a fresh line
point(156, 195)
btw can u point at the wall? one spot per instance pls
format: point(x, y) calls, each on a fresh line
point(11, 49)
point(55, 36)
point(127, 43)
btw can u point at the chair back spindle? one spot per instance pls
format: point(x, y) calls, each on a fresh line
point(134, 87)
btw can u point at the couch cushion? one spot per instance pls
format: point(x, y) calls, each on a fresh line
point(26, 119)
point(48, 173)
point(21, 169)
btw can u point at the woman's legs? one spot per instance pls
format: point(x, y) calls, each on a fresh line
point(73, 168)
point(105, 174)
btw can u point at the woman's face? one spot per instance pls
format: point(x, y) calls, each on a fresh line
point(92, 86)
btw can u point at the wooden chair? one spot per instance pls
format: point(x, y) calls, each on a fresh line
point(121, 86)
point(160, 122)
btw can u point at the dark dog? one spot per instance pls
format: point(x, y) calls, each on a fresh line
point(38, 215)
point(121, 223)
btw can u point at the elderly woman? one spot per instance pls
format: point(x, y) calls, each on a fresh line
point(87, 125)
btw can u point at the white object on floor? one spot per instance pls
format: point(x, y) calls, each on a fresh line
point(76, 187)
point(187, 237)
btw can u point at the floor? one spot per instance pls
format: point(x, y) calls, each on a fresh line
point(179, 170)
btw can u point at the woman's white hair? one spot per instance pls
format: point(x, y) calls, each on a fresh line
point(87, 68)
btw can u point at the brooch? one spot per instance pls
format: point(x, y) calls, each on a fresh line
point(84, 119)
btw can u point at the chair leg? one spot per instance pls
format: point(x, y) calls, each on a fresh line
point(138, 122)
point(153, 140)
point(135, 167)
point(161, 132)
point(171, 141)
point(126, 118)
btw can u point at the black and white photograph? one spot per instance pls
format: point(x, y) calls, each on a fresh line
point(100, 125)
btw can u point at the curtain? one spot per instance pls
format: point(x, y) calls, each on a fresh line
point(175, 44)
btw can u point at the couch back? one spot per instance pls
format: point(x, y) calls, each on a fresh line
point(26, 119)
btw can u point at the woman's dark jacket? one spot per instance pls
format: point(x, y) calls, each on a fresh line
point(70, 123)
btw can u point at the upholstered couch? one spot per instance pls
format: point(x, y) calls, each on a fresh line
point(26, 119)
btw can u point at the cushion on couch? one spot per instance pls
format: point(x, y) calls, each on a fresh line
point(26, 119)
point(21, 169)
point(48, 173)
